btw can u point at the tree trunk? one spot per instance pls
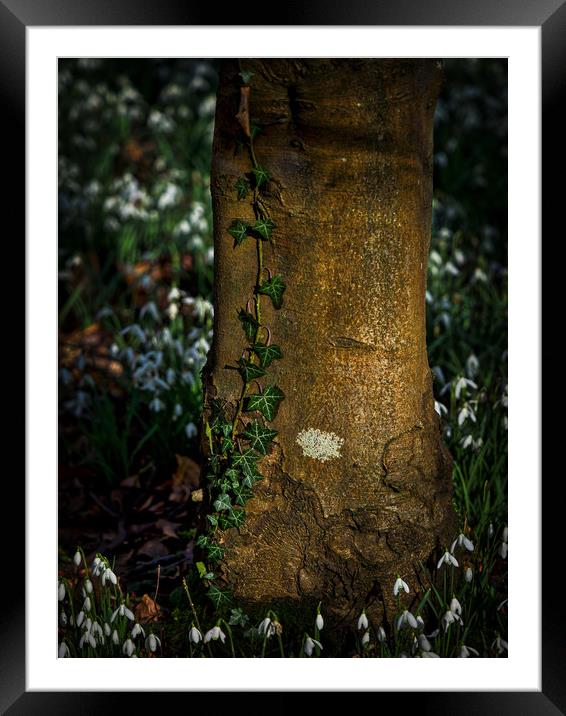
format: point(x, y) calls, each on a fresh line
point(357, 486)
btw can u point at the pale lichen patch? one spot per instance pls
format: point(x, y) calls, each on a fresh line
point(320, 445)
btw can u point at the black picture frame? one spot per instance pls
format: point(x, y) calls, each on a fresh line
point(550, 15)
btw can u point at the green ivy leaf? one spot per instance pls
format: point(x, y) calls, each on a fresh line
point(213, 519)
point(201, 567)
point(259, 436)
point(246, 461)
point(261, 176)
point(266, 401)
point(249, 371)
point(242, 188)
point(250, 480)
point(215, 552)
point(235, 519)
point(249, 324)
point(222, 503)
point(274, 288)
point(219, 597)
point(239, 230)
point(242, 493)
point(246, 76)
point(264, 227)
point(267, 354)
point(203, 541)
point(238, 617)
point(232, 475)
point(226, 445)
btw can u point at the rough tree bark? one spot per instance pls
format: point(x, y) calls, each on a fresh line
point(349, 146)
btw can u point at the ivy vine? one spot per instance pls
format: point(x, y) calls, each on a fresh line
point(238, 435)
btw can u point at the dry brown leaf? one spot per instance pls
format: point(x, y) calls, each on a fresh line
point(147, 610)
point(169, 529)
point(154, 548)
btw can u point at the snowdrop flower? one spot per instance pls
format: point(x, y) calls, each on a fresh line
point(465, 413)
point(150, 309)
point(63, 650)
point(88, 586)
point(363, 621)
point(365, 638)
point(472, 365)
point(449, 618)
point(503, 550)
point(480, 276)
point(500, 645)
point(505, 534)
point(490, 530)
point(310, 645)
point(451, 269)
point(440, 408)
point(152, 642)
point(137, 629)
point(87, 606)
point(469, 575)
point(463, 384)
point(462, 541)
point(63, 619)
point(399, 585)
point(194, 635)
point(191, 430)
point(215, 633)
point(447, 558)
point(172, 311)
point(156, 405)
point(107, 629)
point(319, 621)
point(424, 643)
point(115, 638)
point(61, 591)
point(407, 618)
point(122, 611)
point(77, 558)
point(97, 566)
point(455, 606)
point(381, 636)
point(429, 655)
point(128, 647)
point(80, 618)
point(109, 574)
point(420, 622)
point(266, 628)
point(465, 652)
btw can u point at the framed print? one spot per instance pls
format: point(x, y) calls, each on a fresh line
point(168, 161)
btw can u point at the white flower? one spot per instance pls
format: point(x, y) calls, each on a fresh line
point(63, 619)
point(63, 650)
point(465, 413)
point(429, 655)
point(490, 530)
point(137, 629)
point(310, 645)
point(80, 618)
point(115, 638)
point(152, 642)
point(191, 430)
point(77, 558)
point(151, 309)
point(363, 621)
point(108, 574)
point(61, 591)
point(156, 405)
point(215, 633)
point(122, 611)
point(266, 628)
point(447, 558)
point(449, 618)
point(407, 618)
point(462, 541)
point(505, 534)
point(463, 384)
point(500, 645)
point(319, 621)
point(172, 311)
point(399, 585)
point(128, 647)
point(420, 622)
point(503, 550)
point(455, 606)
point(194, 635)
point(440, 408)
point(472, 365)
point(107, 629)
point(87, 606)
point(88, 586)
point(465, 652)
point(381, 636)
point(424, 643)
point(469, 575)
point(365, 638)
point(451, 269)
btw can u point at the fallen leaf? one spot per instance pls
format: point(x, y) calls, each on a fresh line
point(154, 548)
point(169, 529)
point(197, 496)
point(147, 610)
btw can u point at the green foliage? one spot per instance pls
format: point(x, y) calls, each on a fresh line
point(250, 371)
point(250, 324)
point(266, 401)
point(274, 288)
point(239, 230)
point(242, 188)
point(267, 354)
point(264, 227)
point(259, 436)
point(261, 176)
